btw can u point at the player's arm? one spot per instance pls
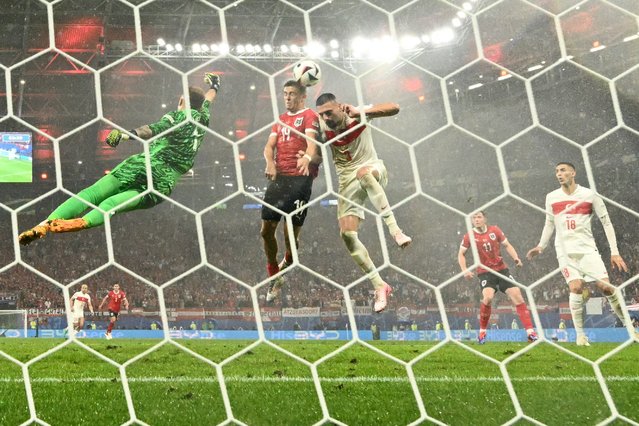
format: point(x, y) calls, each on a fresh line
point(546, 233)
point(90, 306)
point(126, 303)
point(512, 252)
point(311, 154)
point(213, 81)
point(461, 259)
point(103, 302)
point(269, 156)
point(602, 213)
point(378, 110)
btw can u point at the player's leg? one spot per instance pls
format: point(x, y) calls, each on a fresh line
point(80, 323)
point(369, 178)
point(113, 318)
point(269, 240)
point(616, 301)
point(71, 208)
point(288, 256)
point(576, 304)
point(274, 196)
point(514, 293)
point(348, 226)
point(485, 307)
point(301, 188)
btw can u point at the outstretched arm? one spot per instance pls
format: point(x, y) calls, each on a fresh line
point(115, 136)
point(378, 110)
point(103, 302)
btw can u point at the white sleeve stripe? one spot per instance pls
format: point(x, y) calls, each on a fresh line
point(168, 117)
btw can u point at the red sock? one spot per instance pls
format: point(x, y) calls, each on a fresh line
point(524, 316)
point(110, 327)
point(272, 269)
point(484, 315)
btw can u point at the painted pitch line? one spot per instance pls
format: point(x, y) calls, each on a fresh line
point(363, 379)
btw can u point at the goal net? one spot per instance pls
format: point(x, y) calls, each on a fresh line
point(492, 95)
point(13, 323)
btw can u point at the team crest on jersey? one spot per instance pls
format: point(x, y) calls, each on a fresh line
point(492, 236)
point(298, 121)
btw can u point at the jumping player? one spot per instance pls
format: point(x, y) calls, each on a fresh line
point(171, 156)
point(291, 178)
point(569, 211)
point(488, 239)
point(78, 301)
point(115, 298)
point(362, 175)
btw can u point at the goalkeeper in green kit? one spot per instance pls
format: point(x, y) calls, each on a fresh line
point(171, 156)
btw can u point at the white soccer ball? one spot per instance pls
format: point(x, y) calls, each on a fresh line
point(307, 73)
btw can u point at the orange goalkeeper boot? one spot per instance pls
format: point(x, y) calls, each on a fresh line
point(67, 225)
point(35, 233)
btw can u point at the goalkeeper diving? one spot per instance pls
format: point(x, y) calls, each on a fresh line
point(171, 156)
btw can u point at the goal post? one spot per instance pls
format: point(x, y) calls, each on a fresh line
point(13, 323)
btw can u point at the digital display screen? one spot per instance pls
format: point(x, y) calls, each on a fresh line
point(16, 157)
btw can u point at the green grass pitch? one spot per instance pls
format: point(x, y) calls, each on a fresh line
point(170, 386)
point(15, 170)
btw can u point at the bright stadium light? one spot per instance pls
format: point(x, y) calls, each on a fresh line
point(334, 54)
point(409, 42)
point(204, 47)
point(334, 44)
point(425, 38)
point(284, 48)
point(161, 42)
point(257, 48)
point(267, 48)
point(195, 48)
point(442, 35)
point(461, 14)
point(169, 48)
point(295, 48)
point(249, 48)
point(224, 49)
point(315, 50)
point(467, 6)
point(456, 22)
point(240, 49)
point(178, 47)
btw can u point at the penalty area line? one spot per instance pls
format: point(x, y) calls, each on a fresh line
point(361, 379)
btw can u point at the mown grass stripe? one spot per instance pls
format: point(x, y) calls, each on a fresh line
point(362, 379)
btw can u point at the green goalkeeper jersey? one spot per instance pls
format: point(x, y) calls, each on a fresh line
point(179, 147)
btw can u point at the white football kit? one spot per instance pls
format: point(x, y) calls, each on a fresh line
point(79, 302)
point(352, 148)
point(570, 215)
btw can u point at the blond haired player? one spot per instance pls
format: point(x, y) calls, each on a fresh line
point(569, 212)
point(78, 301)
point(362, 175)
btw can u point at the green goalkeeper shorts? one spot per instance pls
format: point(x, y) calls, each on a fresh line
point(132, 174)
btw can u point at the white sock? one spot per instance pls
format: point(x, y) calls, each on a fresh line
point(379, 200)
point(576, 303)
point(361, 257)
point(617, 304)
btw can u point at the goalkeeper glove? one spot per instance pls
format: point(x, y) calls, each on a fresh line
point(213, 80)
point(115, 137)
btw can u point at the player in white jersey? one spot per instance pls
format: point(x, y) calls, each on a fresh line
point(78, 301)
point(569, 212)
point(362, 176)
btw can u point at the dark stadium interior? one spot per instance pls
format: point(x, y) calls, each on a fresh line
point(472, 133)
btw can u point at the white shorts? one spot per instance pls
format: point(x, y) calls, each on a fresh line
point(77, 315)
point(354, 195)
point(587, 267)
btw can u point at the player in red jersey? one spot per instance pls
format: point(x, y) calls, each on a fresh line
point(291, 178)
point(115, 298)
point(488, 240)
